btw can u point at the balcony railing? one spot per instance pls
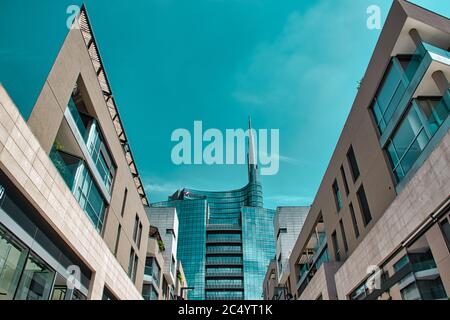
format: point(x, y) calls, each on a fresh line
point(400, 84)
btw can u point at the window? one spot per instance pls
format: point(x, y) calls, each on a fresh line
point(139, 236)
point(172, 232)
point(136, 230)
point(173, 266)
point(124, 202)
point(389, 95)
point(280, 231)
point(152, 269)
point(354, 221)
point(90, 198)
point(364, 205)
point(445, 227)
point(132, 265)
point(12, 261)
point(353, 163)
point(407, 144)
point(36, 281)
point(116, 247)
point(337, 196)
point(344, 178)
point(108, 295)
point(336, 246)
point(100, 155)
point(344, 238)
point(423, 119)
point(149, 292)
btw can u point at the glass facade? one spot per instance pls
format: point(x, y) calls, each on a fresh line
point(192, 217)
point(226, 240)
point(259, 248)
point(32, 267)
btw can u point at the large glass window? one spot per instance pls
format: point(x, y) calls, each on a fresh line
point(12, 260)
point(424, 118)
point(89, 129)
point(36, 281)
point(407, 144)
point(89, 197)
point(100, 155)
point(389, 95)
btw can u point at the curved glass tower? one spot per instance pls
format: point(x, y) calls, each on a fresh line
point(226, 239)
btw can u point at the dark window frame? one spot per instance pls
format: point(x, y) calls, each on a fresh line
point(364, 206)
point(353, 164)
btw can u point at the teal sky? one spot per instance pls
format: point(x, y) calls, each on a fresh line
point(291, 65)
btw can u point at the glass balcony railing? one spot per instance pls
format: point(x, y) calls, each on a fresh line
point(423, 120)
point(66, 165)
point(77, 117)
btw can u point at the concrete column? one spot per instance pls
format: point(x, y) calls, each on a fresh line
point(441, 254)
point(441, 81)
point(415, 36)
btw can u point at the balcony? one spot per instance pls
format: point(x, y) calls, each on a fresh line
point(403, 82)
point(415, 132)
point(66, 165)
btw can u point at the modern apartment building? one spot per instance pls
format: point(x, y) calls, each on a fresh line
point(71, 199)
point(288, 223)
point(379, 225)
point(154, 264)
point(166, 220)
point(226, 239)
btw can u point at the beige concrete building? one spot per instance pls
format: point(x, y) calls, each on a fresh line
point(71, 200)
point(379, 225)
point(153, 275)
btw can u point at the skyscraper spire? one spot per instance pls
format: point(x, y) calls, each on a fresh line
point(251, 146)
point(252, 157)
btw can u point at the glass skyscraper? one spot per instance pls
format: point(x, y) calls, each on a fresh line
point(226, 239)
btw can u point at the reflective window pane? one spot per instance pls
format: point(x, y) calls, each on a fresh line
point(36, 282)
point(12, 260)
